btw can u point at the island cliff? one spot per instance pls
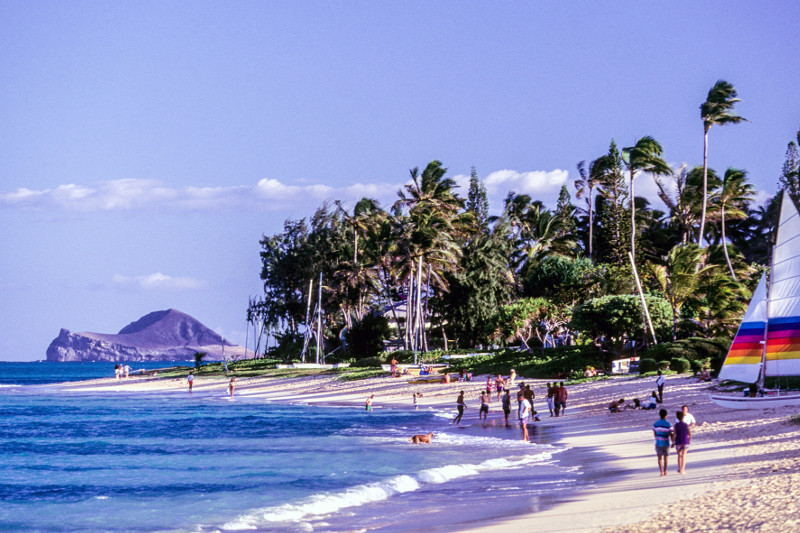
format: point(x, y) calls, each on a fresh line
point(159, 336)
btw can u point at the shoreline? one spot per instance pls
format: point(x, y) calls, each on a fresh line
point(622, 491)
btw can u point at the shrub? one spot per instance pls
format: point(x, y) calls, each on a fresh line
point(697, 366)
point(365, 338)
point(647, 365)
point(368, 362)
point(663, 365)
point(680, 365)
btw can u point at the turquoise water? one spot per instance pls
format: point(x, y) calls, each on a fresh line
point(175, 462)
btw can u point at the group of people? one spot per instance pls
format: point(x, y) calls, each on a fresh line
point(677, 436)
point(121, 370)
point(556, 401)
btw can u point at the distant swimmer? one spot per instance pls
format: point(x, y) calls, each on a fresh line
point(369, 402)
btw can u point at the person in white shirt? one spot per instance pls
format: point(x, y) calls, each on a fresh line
point(660, 385)
point(688, 419)
point(524, 413)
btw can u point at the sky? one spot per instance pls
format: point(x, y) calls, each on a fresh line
point(146, 147)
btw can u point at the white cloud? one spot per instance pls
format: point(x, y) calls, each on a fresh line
point(158, 281)
point(533, 183)
point(265, 195)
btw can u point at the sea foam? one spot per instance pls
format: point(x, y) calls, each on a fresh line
point(320, 505)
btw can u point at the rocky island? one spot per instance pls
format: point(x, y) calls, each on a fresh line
point(159, 336)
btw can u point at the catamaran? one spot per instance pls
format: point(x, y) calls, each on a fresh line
point(768, 341)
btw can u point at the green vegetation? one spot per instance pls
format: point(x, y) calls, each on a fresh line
point(434, 273)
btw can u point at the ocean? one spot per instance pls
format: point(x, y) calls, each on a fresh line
point(178, 462)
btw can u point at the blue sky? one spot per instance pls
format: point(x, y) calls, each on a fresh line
point(147, 146)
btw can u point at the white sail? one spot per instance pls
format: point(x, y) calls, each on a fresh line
point(783, 333)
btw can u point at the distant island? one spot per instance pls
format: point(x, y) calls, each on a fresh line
point(159, 336)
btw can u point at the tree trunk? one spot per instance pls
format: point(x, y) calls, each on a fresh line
point(705, 188)
point(725, 244)
point(633, 219)
point(591, 222)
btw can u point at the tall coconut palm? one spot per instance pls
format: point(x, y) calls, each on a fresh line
point(644, 156)
point(589, 179)
point(732, 199)
point(717, 109)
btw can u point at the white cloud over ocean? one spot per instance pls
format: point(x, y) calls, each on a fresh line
point(158, 281)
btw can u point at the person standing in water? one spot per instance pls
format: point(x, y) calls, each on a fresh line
point(484, 414)
point(368, 403)
point(524, 413)
point(460, 405)
point(507, 405)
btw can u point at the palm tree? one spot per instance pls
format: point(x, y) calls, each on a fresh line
point(679, 278)
point(732, 199)
point(717, 109)
point(644, 156)
point(589, 179)
point(432, 230)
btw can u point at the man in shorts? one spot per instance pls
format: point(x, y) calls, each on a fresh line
point(484, 413)
point(551, 393)
point(507, 404)
point(664, 434)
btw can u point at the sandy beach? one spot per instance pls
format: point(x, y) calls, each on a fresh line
point(742, 466)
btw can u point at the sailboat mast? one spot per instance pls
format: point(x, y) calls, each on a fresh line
point(319, 317)
point(762, 375)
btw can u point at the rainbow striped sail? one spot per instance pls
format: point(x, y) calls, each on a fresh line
point(777, 307)
point(743, 362)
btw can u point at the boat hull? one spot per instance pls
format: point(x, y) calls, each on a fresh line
point(759, 402)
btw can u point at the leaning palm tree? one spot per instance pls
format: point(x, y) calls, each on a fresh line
point(644, 156)
point(732, 199)
point(589, 179)
point(717, 109)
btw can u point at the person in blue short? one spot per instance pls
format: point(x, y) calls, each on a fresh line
point(664, 434)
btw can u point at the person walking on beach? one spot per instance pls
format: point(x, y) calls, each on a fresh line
point(511, 378)
point(394, 367)
point(551, 392)
point(683, 437)
point(116, 371)
point(507, 405)
point(231, 386)
point(561, 399)
point(484, 413)
point(687, 417)
point(190, 380)
point(524, 412)
point(499, 384)
point(415, 396)
point(127, 370)
point(460, 405)
point(660, 385)
point(368, 403)
point(664, 434)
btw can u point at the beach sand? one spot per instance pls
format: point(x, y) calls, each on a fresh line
point(742, 468)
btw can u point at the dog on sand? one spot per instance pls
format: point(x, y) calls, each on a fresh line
point(421, 439)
